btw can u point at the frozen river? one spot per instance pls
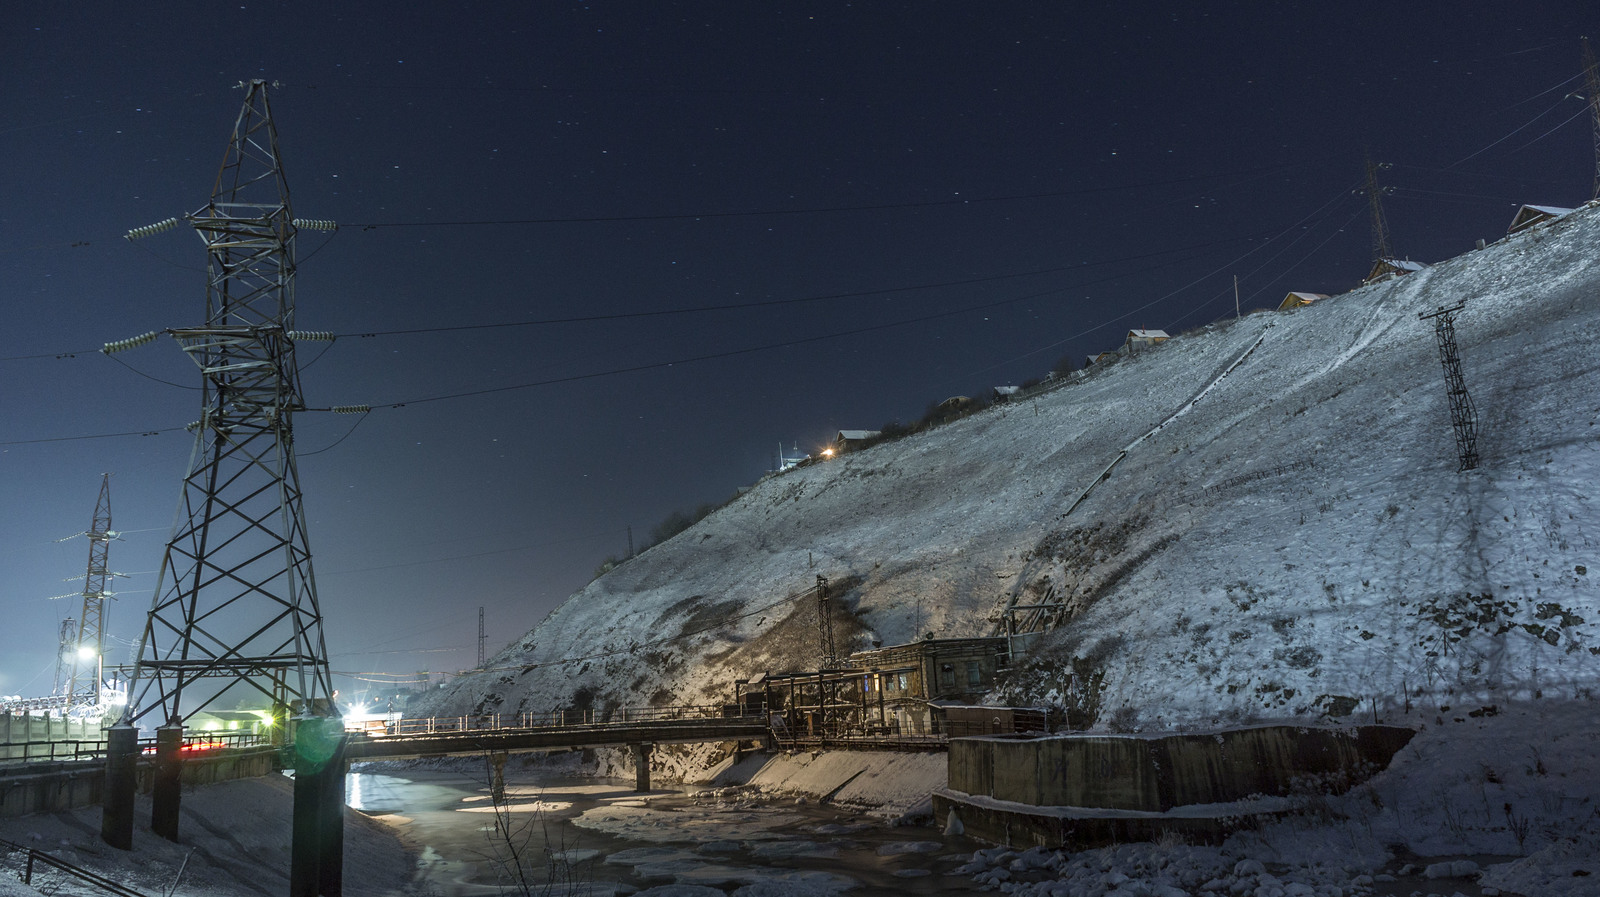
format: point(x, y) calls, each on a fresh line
point(589, 836)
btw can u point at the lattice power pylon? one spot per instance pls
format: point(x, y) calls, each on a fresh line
point(1591, 89)
point(90, 644)
point(235, 602)
point(1380, 224)
point(1463, 416)
point(66, 655)
point(828, 655)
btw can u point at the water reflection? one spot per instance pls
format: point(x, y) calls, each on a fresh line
point(600, 837)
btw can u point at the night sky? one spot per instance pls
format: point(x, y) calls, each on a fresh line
point(598, 262)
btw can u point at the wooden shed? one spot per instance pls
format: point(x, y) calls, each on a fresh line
point(1139, 340)
point(1384, 269)
point(1531, 216)
point(1299, 300)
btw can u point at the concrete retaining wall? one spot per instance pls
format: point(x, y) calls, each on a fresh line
point(49, 788)
point(26, 736)
point(1155, 774)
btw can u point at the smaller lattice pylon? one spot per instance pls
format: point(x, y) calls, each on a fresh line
point(66, 656)
point(1463, 415)
point(828, 655)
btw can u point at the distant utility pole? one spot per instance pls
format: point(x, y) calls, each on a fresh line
point(1463, 417)
point(1591, 89)
point(1236, 295)
point(480, 637)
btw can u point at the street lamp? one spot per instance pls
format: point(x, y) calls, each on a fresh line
point(85, 652)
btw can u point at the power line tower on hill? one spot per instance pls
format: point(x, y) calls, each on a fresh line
point(1380, 224)
point(1591, 89)
point(235, 606)
point(1463, 416)
point(829, 656)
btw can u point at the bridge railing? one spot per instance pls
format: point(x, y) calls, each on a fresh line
point(20, 753)
point(567, 718)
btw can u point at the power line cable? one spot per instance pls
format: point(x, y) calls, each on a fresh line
point(815, 210)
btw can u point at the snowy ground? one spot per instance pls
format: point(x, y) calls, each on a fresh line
point(234, 841)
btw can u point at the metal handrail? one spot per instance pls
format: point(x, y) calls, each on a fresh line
point(35, 857)
point(552, 720)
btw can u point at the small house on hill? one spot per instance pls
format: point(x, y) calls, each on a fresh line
point(1386, 268)
point(1299, 300)
point(1139, 340)
point(1530, 216)
point(1007, 393)
point(850, 440)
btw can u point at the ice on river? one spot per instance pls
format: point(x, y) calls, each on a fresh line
point(694, 825)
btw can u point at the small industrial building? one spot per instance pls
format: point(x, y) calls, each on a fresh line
point(898, 690)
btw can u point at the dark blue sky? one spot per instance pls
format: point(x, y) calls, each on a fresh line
point(913, 200)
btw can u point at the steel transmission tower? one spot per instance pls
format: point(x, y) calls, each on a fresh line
point(90, 644)
point(235, 600)
point(1380, 224)
point(66, 656)
point(1591, 89)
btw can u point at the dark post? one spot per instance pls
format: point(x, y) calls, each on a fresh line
point(317, 846)
point(497, 777)
point(166, 793)
point(331, 866)
point(641, 766)
point(116, 801)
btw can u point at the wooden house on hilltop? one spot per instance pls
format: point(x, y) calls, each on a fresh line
point(1532, 216)
point(1384, 269)
point(1299, 300)
point(1139, 340)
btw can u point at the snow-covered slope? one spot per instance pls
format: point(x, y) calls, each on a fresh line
point(1286, 536)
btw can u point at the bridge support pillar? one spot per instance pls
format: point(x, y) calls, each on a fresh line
point(497, 777)
point(316, 863)
point(167, 790)
point(641, 765)
point(121, 783)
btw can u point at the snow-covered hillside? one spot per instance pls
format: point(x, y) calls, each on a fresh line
point(1296, 543)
